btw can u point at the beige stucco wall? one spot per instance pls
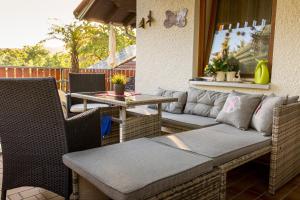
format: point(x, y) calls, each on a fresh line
point(169, 58)
point(165, 57)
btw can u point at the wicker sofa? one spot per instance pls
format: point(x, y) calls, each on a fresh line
point(199, 133)
point(227, 147)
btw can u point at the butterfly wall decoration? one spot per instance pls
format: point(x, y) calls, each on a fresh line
point(176, 18)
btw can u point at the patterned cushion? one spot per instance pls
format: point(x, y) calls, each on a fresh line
point(205, 103)
point(238, 109)
point(174, 107)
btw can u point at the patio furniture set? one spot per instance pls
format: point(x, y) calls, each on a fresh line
point(215, 133)
point(207, 127)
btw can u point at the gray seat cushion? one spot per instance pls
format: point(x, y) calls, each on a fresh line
point(185, 120)
point(222, 143)
point(78, 108)
point(204, 103)
point(137, 169)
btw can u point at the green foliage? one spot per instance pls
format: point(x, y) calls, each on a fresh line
point(210, 70)
point(12, 57)
point(85, 44)
point(232, 64)
point(33, 56)
point(222, 61)
point(119, 79)
point(96, 48)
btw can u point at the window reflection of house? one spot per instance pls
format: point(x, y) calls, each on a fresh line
point(247, 24)
point(257, 49)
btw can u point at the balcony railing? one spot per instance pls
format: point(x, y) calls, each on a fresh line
point(60, 74)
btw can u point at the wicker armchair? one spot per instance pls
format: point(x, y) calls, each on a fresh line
point(35, 135)
point(83, 83)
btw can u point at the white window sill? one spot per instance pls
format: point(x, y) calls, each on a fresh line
point(246, 85)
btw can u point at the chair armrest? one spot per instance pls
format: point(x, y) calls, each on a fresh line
point(68, 101)
point(83, 131)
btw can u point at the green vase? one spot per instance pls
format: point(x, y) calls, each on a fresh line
point(262, 75)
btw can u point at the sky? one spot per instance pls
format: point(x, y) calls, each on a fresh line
point(26, 22)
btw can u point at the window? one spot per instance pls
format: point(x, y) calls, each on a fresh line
point(247, 26)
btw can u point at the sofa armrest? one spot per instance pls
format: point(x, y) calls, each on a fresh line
point(285, 159)
point(286, 121)
point(83, 131)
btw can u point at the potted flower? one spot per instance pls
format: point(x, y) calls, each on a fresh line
point(232, 68)
point(210, 70)
point(119, 81)
point(218, 66)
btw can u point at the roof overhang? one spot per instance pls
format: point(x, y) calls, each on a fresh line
point(120, 12)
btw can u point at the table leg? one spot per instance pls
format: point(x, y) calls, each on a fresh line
point(123, 123)
point(75, 185)
point(84, 105)
point(159, 109)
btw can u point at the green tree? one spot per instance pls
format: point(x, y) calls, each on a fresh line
point(58, 60)
point(12, 57)
point(74, 36)
point(36, 55)
point(87, 43)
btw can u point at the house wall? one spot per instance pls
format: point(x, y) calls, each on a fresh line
point(165, 57)
point(169, 66)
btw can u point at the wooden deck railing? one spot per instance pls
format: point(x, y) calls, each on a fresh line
point(60, 74)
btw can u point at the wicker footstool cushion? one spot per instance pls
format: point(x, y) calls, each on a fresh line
point(222, 143)
point(137, 169)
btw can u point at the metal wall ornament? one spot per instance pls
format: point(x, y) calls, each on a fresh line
point(142, 23)
point(149, 18)
point(176, 18)
point(149, 21)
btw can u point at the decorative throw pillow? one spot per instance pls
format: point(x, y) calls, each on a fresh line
point(173, 107)
point(238, 109)
point(262, 119)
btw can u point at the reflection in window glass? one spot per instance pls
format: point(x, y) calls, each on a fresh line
point(242, 34)
point(246, 44)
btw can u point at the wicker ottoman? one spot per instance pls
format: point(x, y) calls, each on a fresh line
point(142, 169)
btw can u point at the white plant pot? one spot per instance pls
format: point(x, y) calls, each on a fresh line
point(230, 76)
point(220, 76)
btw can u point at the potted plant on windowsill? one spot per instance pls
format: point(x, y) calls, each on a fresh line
point(119, 81)
point(217, 68)
point(232, 68)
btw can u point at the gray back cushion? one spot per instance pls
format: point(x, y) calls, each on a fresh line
point(262, 119)
point(173, 107)
point(205, 103)
point(238, 109)
point(292, 99)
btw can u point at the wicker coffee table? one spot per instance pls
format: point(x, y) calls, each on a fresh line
point(129, 100)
